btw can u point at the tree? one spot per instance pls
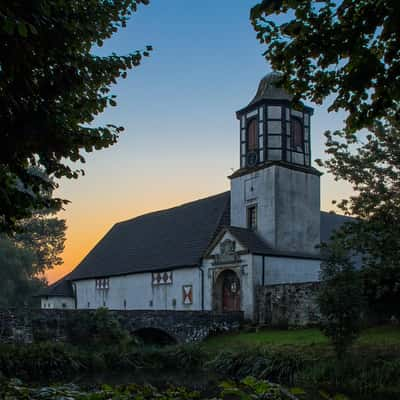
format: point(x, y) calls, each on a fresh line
point(17, 281)
point(348, 49)
point(372, 164)
point(26, 255)
point(44, 235)
point(340, 299)
point(52, 87)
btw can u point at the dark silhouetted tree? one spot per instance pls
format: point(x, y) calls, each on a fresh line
point(52, 86)
point(349, 51)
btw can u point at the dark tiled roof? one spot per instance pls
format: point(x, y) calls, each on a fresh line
point(249, 239)
point(161, 240)
point(61, 288)
point(331, 222)
point(255, 244)
point(175, 238)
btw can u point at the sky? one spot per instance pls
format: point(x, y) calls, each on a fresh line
point(181, 137)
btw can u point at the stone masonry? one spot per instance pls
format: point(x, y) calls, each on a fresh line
point(25, 326)
point(287, 305)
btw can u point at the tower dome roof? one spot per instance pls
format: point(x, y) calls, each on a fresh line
point(269, 90)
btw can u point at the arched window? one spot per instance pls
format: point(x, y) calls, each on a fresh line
point(252, 135)
point(298, 134)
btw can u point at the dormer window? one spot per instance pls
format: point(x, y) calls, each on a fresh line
point(298, 135)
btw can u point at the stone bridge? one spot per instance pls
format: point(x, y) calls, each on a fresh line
point(162, 326)
point(180, 326)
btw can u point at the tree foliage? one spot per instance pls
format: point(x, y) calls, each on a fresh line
point(371, 163)
point(44, 235)
point(349, 49)
point(17, 281)
point(30, 252)
point(340, 299)
point(52, 86)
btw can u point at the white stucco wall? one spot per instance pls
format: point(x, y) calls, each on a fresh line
point(139, 293)
point(290, 270)
point(288, 207)
point(57, 302)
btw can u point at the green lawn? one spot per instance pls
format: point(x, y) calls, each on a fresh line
point(378, 336)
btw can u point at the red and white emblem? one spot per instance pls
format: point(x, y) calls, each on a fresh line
point(187, 294)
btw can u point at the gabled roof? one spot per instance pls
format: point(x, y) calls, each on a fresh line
point(255, 244)
point(161, 240)
point(330, 222)
point(61, 288)
point(175, 238)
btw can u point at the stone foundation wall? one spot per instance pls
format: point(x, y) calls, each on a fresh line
point(286, 305)
point(25, 326)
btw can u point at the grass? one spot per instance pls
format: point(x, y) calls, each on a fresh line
point(382, 336)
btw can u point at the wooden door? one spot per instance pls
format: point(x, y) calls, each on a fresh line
point(230, 292)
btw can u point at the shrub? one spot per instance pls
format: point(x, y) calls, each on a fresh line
point(340, 299)
point(98, 328)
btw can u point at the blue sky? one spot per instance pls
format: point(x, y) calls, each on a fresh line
point(178, 108)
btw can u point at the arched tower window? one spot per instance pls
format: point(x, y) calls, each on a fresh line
point(252, 135)
point(298, 134)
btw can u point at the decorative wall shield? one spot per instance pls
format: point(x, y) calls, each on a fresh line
point(187, 292)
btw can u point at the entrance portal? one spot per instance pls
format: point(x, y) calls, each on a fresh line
point(227, 292)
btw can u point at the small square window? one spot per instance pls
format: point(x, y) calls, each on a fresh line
point(252, 217)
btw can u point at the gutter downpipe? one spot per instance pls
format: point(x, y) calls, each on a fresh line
point(202, 288)
point(263, 270)
point(75, 295)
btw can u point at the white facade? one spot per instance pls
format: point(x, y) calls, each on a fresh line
point(138, 292)
point(57, 302)
point(288, 207)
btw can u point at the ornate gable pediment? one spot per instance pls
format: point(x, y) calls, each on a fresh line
point(227, 252)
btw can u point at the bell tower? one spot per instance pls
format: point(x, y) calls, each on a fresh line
point(276, 191)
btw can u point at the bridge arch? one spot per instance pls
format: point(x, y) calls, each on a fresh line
point(155, 336)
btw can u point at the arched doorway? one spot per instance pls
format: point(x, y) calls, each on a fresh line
point(227, 292)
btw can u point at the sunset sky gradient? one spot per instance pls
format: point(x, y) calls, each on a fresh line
point(181, 137)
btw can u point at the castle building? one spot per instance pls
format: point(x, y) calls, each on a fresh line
point(215, 253)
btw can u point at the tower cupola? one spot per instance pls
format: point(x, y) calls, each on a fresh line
point(272, 130)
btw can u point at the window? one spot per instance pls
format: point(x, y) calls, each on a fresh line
point(102, 284)
point(252, 217)
point(298, 134)
point(252, 139)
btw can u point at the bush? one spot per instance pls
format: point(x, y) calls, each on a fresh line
point(32, 362)
point(98, 328)
point(340, 299)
